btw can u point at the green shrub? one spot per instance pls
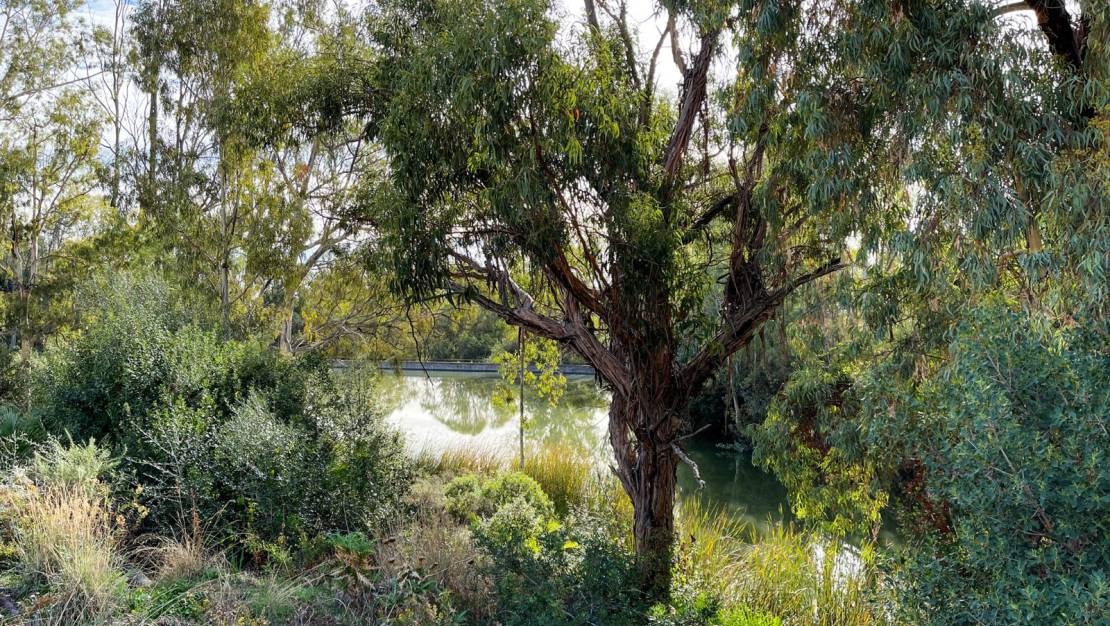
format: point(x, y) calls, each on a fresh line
point(694, 607)
point(510, 486)
point(266, 442)
point(463, 496)
point(1012, 437)
point(740, 616)
point(67, 533)
point(469, 496)
point(139, 354)
point(992, 451)
point(84, 467)
point(335, 468)
point(545, 572)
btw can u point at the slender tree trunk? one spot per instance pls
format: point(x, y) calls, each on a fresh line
point(149, 176)
point(285, 336)
point(225, 300)
point(26, 341)
point(520, 349)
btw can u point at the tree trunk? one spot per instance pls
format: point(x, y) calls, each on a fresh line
point(285, 336)
point(225, 301)
point(146, 201)
point(647, 468)
point(653, 521)
point(26, 342)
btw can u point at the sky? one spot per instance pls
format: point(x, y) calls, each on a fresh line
point(646, 19)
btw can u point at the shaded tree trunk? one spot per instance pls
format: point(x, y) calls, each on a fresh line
point(643, 439)
point(285, 339)
point(225, 298)
point(26, 343)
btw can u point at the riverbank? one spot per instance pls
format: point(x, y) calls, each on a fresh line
point(477, 541)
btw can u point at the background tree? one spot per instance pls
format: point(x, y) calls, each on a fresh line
point(203, 190)
point(321, 176)
point(48, 171)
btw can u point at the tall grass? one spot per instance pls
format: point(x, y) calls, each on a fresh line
point(710, 540)
point(69, 537)
point(564, 474)
point(186, 553)
point(453, 461)
point(808, 580)
point(800, 577)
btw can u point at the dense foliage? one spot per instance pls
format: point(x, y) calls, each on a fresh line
point(217, 428)
point(866, 240)
point(995, 458)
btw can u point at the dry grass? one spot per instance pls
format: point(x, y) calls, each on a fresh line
point(456, 461)
point(69, 537)
point(435, 545)
point(187, 553)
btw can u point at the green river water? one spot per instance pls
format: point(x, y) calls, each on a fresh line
point(440, 411)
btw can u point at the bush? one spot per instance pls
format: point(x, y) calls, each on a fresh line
point(1012, 437)
point(86, 467)
point(336, 468)
point(547, 573)
point(992, 451)
point(543, 571)
point(469, 497)
point(139, 355)
point(463, 496)
point(221, 428)
point(691, 607)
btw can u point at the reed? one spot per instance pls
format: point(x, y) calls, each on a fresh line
point(453, 461)
point(710, 540)
point(564, 474)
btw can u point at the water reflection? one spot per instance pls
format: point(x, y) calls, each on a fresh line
point(731, 482)
point(443, 411)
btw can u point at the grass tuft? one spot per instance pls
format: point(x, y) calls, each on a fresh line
point(68, 537)
point(563, 473)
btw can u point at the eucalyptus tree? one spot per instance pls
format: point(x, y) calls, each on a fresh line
point(47, 163)
point(971, 391)
point(48, 184)
point(39, 43)
point(319, 176)
point(542, 173)
point(545, 174)
point(205, 190)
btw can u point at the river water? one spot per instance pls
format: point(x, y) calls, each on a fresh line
point(439, 411)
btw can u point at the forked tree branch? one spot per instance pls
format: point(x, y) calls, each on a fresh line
point(739, 327)
point(1056, 24)
point(516, 307)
